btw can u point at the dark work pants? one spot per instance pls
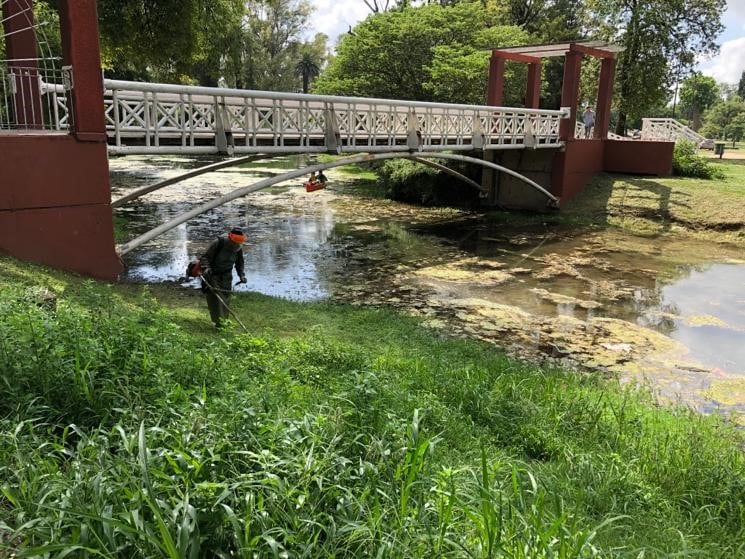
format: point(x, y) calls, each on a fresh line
point(224, 284)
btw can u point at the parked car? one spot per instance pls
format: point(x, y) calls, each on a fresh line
point(706, 144)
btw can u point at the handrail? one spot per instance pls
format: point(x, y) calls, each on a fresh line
point(278, 95)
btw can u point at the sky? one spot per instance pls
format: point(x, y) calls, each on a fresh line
point(729, 65)
point(334, 17)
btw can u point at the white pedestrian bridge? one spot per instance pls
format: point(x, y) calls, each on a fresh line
point(153, 118)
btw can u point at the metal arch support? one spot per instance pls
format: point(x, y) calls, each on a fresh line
point(449, 171)
point(264, 183)
point(553, 201)
point(193, 173)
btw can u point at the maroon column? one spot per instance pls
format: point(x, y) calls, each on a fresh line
point(605, 96)
point(79, 23)
point(496, 81)
point(55, 200)
point(20, 46)
point(570, 92)
point(533, 94)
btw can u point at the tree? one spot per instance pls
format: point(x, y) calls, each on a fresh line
point(415, 53)
point(164, 39)
point(736, 129)
point(698, 93)
point(741, 86)
point(658, 36)
point(307, 69)
point(718, 119)
point(273, 43)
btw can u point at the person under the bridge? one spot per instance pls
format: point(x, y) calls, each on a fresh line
point(588, 119)
point(313, 179)
point(322, 178)
point(217, 270)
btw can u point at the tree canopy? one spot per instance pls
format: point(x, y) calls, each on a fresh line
point(661, 39)
point(698, 93)
point(427, 53)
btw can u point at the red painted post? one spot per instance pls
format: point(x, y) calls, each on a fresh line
point(20, 39)
point(570, 93)
point(495, 91)
point(533, 94)
point(79, 23)
point(605, 96)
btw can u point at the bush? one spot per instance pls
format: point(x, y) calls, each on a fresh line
point(687, 163)
point(414, 183)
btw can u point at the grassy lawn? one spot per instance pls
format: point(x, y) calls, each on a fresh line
point(128, 428)
point(708, 209)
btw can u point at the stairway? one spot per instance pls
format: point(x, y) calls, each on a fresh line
point(669, 129)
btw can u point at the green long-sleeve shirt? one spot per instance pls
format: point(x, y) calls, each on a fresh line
point(222, 255)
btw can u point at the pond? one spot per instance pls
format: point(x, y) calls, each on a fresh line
point(666, 312)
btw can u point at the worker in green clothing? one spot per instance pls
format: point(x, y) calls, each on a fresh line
point(217, 269)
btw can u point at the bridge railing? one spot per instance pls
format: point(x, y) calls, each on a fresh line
point(32, 98)
point(669, 129)
point(165, 118)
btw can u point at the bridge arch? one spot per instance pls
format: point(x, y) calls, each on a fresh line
point(135, 194)
point(363, 158)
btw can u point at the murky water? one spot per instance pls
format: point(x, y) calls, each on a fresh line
point(664, 311)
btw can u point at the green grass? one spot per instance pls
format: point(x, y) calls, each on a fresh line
point(129, 429)
point(708, 209)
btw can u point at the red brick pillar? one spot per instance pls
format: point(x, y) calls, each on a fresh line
point(495, 91)
point(605, 96)
point(20, 47)
point(533, 94)
point(55, 200)
point(570, 92)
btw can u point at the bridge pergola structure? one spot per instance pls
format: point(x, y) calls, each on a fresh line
point(573, 53)
point(55, 197)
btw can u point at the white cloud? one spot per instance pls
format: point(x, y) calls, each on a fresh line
point(729, 65)
point(333, 17)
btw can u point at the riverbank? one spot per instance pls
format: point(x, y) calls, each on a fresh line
point(650, 206)
point(129, 427)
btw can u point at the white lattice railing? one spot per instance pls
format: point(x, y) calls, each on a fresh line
point(164, 118)
point(669, 129)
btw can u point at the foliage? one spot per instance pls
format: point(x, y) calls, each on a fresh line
point(735, 131)
point(307, 68)
point(405, 54)
point(458, 73)
point(164, 40)
point(741, 86)
point(661, 38)
point(687, 163)
point(719, 119)
point(122, 435)
point(273, 43)
point(409, 181)
point(697, 94)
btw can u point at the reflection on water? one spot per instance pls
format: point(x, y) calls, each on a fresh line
point(668, 309)
point(706, 312)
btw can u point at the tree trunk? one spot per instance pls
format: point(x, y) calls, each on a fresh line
point(695, 119)
point(305, 82)
point(621, 124)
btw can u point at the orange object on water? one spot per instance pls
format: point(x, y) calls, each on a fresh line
point(312, 186)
